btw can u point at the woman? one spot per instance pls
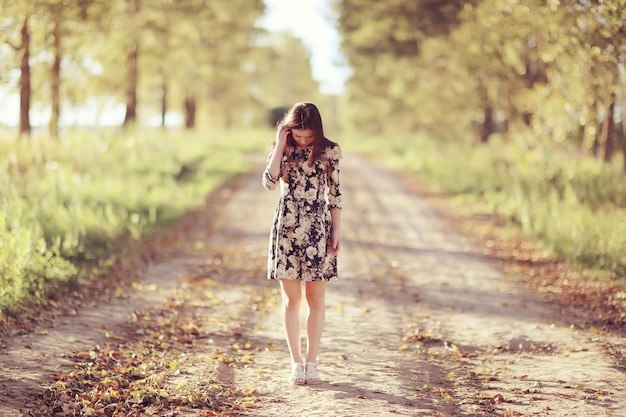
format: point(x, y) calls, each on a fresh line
point(304, 239)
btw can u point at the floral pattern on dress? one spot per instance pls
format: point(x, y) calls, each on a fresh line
point(302, 223)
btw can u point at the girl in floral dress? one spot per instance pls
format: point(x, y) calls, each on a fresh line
point(304, 239)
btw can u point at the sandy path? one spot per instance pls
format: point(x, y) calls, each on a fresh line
point(477, 344)
point(484, 346)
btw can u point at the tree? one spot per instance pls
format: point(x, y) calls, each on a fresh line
point(132, 62)
point(228, 44)
point(25, 90)
point(146, 54)
point(382, 42)
point(192, 51)
point(62, 17)
point(282, 71)
point(601, 32)
point(16, 33)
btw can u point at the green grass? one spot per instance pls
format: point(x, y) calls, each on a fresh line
point(574, 205)
point(66, 202)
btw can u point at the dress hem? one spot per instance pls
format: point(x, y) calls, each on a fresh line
point(303, 280)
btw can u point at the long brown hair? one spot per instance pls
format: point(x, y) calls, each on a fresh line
point(306, 116)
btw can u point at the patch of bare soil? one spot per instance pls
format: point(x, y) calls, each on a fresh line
point(420, 323)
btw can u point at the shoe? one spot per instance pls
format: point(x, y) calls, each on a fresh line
point(297, 374)
point(312, 377)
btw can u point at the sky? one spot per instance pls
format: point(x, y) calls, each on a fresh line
point(311, 21)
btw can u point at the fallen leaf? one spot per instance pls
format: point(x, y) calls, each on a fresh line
point(498, 399)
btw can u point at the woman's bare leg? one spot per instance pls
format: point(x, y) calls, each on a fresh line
point(292, 295)
point(315, 294)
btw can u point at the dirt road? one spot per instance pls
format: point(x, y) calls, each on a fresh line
point(420, 323)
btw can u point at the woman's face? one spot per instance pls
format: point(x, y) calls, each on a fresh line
point(303, 137)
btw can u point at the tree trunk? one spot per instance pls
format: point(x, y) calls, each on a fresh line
point(163, 102)
point(485, 130)
point(609, 132)
point(595, 148)
point(131, 89)
point(591, 128)
point(55, 92)
point(25, 91)
point(132, 66)
point(190, 112)
point(624, 146)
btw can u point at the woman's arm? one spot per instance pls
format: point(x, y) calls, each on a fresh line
point(335, 235)
point(273, 166)
point(272, 170)
point(334, 200)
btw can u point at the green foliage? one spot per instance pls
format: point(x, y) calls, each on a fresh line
point(151, 55)
point(574, 204)
point(282, 73)
point(69, 201)
point(535, 68)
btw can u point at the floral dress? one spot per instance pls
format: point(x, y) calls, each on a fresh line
point(301, 227)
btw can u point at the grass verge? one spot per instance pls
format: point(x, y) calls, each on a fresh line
point(66, 204)
point(572, 204)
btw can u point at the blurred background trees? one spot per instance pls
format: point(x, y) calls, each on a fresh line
point(461, 70)
point(537, 70)
point(199, 60)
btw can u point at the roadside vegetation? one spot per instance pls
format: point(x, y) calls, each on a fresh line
point(551, 216)
point(573, 204)
point(66, 205)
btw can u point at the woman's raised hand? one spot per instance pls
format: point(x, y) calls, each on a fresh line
point(282, 134)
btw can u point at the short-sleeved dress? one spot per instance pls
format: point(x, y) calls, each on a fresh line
point(301, 228)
